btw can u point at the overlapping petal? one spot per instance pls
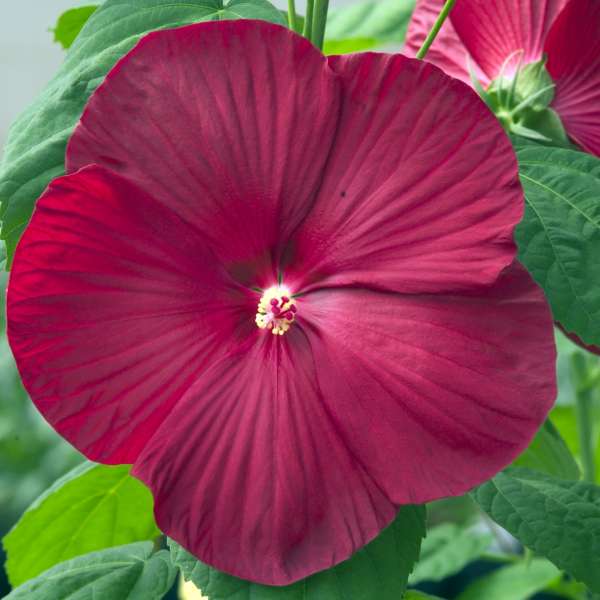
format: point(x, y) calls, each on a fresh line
point(447, 51)
point(573, 48)
point(451, 387)
point(228, 123)
point(114, 308)
point(420, 192)
point(250, 473)
point(493, 31)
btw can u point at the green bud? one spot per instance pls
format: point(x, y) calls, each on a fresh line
point(522, 103)
point(535, 81)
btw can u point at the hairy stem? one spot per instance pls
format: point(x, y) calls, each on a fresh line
point(436, 28)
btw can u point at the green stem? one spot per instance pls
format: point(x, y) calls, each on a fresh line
point(308, 19)
point(319, 23)
point(583, 410)
point(436, 28)
point(292, 14)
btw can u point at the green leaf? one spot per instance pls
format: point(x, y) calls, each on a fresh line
point(549, 454)
point(378, 571)
point(447, 550)
point(555, 518)
point(417, 595)
point(382, 20)
point(559, 237)
point(35, 150)
point(349, 45)
point(91, 507)
point(569, 589)
point(247, 9)
point(70, 23)
point(515, 582)
point(565, 419)
point(132, 572)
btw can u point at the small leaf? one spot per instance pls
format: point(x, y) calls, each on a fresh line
point(555, 518)
point(382, 20)
point(515, 582)
point(132, 572)
point(378, 571)
point(92, 507)
point(559, 237)
point(35, 150)
point(70, 23)
point(549, 454)
point(447, 550)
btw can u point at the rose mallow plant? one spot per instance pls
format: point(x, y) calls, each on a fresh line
point(284, 287)
point(536, 63)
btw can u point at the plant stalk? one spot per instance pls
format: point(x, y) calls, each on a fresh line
point(436, 28)
point(292, 14)
point(319, 22)
point(584, 390)
point(308, 19)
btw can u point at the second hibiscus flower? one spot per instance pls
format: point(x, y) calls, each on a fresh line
point(227, 183)
point(546, 53)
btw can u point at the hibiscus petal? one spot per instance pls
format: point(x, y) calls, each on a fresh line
point(492, 31)
point(421, 191)
point(114, 307)
point(250, 474)
point(434, 394)
point(573, 48)
point(285, 458)
point(447, 51)
point(218, 121)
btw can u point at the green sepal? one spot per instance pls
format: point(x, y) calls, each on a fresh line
point(532, 79)
point(547, 124)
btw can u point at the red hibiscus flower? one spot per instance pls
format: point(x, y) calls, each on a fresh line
point(494, 38)
point(228, 183)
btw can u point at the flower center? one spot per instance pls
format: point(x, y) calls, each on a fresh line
point(276, 310)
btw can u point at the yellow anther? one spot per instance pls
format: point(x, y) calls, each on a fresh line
point(276, 310)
